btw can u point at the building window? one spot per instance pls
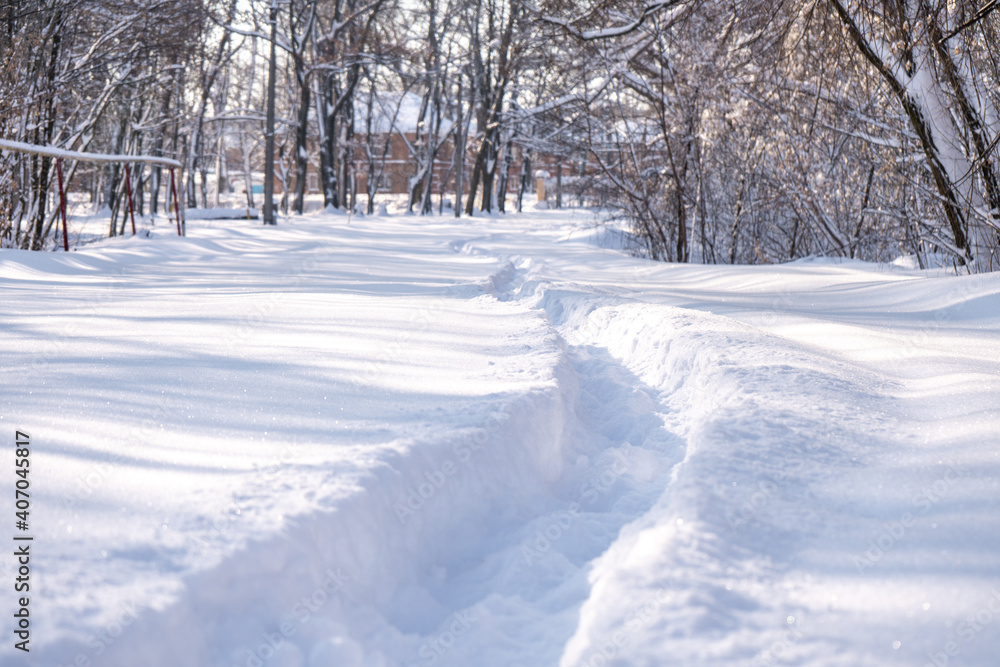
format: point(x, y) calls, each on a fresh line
point(383, 183)
point(312, 182)
point(380, 151)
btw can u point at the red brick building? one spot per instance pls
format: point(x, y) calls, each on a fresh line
point(397, 137)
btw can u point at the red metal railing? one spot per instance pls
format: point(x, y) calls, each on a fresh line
point(60, 154)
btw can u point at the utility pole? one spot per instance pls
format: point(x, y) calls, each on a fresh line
point(458, 154)
point(269, 133)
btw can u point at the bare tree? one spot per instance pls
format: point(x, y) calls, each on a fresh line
point(944, 76)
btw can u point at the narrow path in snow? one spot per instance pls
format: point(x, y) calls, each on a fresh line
point(521, 591)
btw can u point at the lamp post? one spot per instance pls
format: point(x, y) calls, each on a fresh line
point(269, 132)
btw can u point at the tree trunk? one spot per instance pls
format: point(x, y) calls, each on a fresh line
point(911, 98)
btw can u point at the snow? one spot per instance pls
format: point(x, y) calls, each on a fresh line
point(405, 107)
point(392, 440)
point(53, 151)
point(220, 213)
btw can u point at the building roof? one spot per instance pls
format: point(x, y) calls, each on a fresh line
point(404, 107)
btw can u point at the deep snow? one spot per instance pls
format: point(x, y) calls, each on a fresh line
point(407, 441)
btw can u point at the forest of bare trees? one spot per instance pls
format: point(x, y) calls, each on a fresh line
point(720, 131)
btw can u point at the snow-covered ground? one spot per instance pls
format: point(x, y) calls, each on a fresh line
point(420, 441)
